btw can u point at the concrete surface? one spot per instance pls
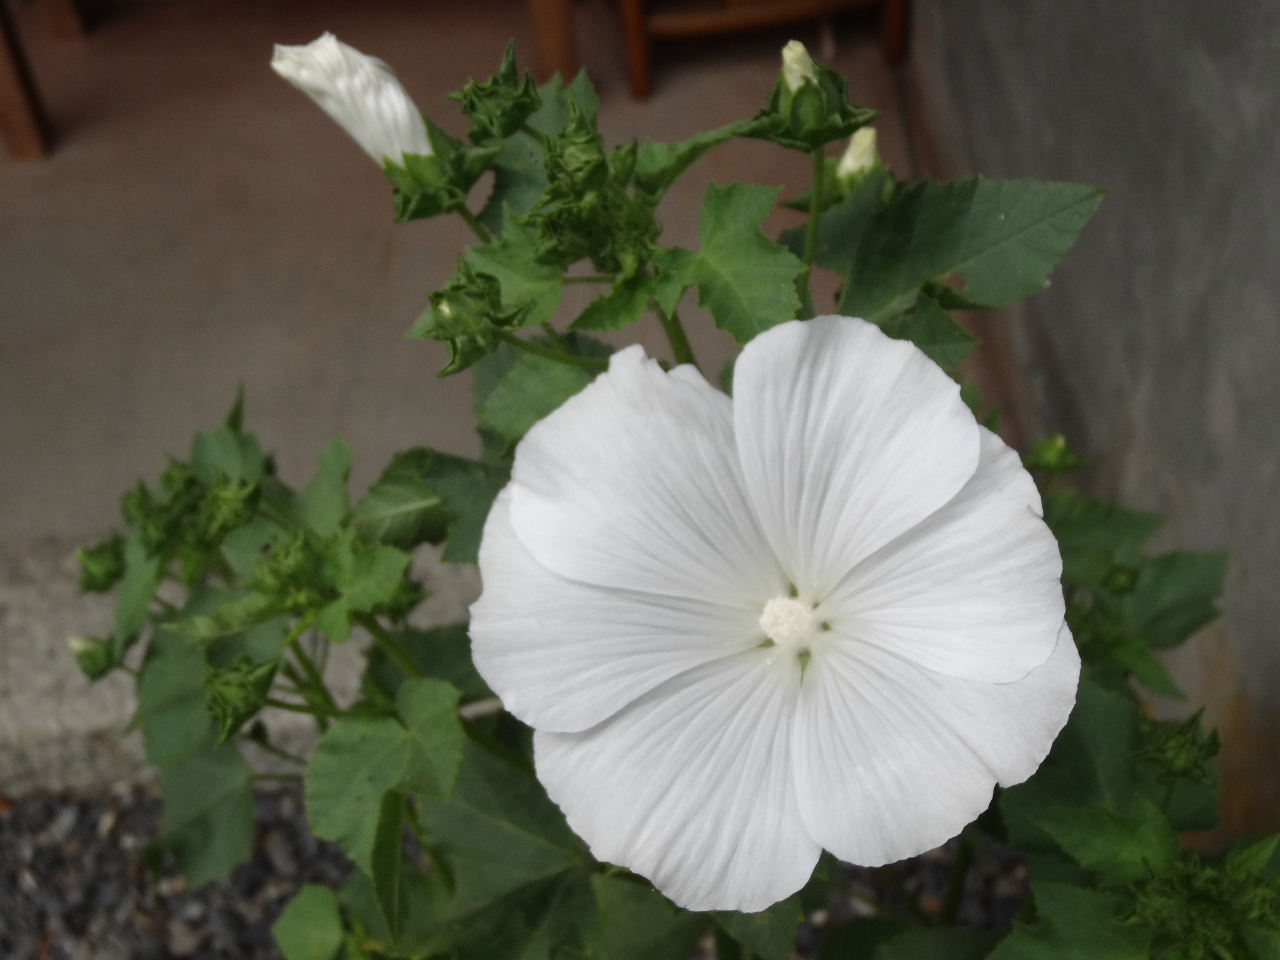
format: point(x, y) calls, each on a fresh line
point(1156, 349)
point(200, 224)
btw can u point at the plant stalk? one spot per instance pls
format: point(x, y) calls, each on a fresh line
point(476, 226)
point(811, 233)
point(674, 330)
point(547, 353)
point(389, 646)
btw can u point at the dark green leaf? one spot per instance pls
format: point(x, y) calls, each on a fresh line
point(323, 502)
point(861, 937)
point(366, 575)
point(429, 711)
point(533, 388)
point(623, 305)
point(770, 934)
point(638, 923)
point(173, 710)
point(524, 282)
point(1092, 533)
point(1074, 924)
point(226, 452)
point(1003, 237)
point(310, 927)
point(442, 652)
point(933, 943)
point(842, 225)
point(402, 508)
point(931, 329)
point(133, 598)
point(658, 165)
point(1175, 595)
point(208, 812)
point(468, 489)
point(1120, 847)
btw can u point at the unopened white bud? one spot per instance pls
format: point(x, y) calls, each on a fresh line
point(358, 91)
point(859, 156)
point(797, 66)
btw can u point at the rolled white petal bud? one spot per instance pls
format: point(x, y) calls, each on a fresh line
point(797, 66)
point(859, 156)
point(360, 92)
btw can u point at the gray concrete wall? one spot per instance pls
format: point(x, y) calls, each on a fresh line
point(1158, 345)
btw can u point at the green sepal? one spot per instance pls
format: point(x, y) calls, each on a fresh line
point(427, 185)
point(809, 118)
point(236, 693)
point(500, 105)
point(469, 315)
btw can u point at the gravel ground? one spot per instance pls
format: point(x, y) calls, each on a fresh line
point(73, 882)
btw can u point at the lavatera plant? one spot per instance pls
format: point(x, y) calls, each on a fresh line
point(742, 651)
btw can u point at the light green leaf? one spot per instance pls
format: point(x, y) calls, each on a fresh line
point(658, 164)
point(468, 489)
point(243, 545)
point(770, 934)
point(310, 927)
point(133, 597)
point(226, 452)
point(523, 280)
point(429, 710)
point(931, 329)
point(745, 279)
point(1175, 595)
point(1074, 924)
point(638, 923)
point(620, 307)
point(402, 508)
point(208, 812)
point(323, 502)
point(1003, 237)
point(367, 574)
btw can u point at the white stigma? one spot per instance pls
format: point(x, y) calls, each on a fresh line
point(789, 622)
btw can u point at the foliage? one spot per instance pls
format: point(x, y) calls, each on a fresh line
point(234, 584)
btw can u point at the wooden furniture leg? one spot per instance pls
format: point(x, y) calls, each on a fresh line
point(636, 33)
point(23, 127)
point(895, 29)
point(64, 18)
point(553, 38)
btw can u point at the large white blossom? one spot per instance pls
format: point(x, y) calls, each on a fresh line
point(825, 614)
point(358, 91)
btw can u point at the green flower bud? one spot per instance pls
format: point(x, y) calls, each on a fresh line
point(237, 693)
point(95, 657)
point(859, 159)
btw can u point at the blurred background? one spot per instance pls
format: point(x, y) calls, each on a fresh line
point(176, 221)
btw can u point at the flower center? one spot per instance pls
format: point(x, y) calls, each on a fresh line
point(789, 622)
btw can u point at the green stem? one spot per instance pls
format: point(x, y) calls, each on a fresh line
point(389, 646)
point(955, 883)
point(553, 334)
point(538, 135)
point(299, 707)
point(537, 349)
point(437, 861)
point(275, 751)
point(811, 234)
point(674, 330)
point(476, 226)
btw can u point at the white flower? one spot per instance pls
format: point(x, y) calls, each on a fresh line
point(798, 67)
point(858, 157)
point(360, 92)
point(823, 614)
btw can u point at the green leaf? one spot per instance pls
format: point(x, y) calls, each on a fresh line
point(242, 546)
point(366, 575)
point(499, 105)
point(1075, 924)
point(470, 316)
point(133, 598)
point(931, 329)
point(323, 502)
point(310, 927)
point(933, 943)
point(442, 652)
point(102, 565)
point(842, 225)
point(173, 709)
point(533, 388)
point(402, 508)
point(1092, 533)
point(1175, 595)
point(429, 710)
point(658, 164)
point(208, 812)
point(745, 279)
point(524, 282)
point(468, 489)
point(1003, 237)
point(861, 937)
point(623, 305)
point(769, 934)
point(227, 452)
point(638, 923)
point(1120, 847)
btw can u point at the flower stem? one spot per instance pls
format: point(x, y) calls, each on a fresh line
point(811, 234)
point(476, 226)
point(389, 646)
point(585, 363)
point(955, 883)
point(552, 334)
point(674, 330)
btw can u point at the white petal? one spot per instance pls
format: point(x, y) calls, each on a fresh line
point(847, 439)
point(565, 655)
point(358, 91)
point(973, 591)
point(692, 785)
point(893, 759)
point(634, 484)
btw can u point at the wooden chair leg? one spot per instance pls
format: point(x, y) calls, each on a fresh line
point(895, 29)
point(553, 38)
point(23, 127)
point(636, 33)
point(64, 18)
